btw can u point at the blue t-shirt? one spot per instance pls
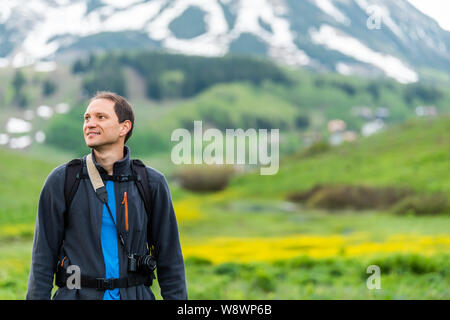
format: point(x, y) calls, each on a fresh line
point(109, 242)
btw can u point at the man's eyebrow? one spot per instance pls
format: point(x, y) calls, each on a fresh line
point(96, 113)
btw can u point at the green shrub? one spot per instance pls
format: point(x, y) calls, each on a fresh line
point(304, 262)
point(197, 261)
point(305, 195)
point(49, 87)
point(264, 281)
point(403, 264)
point(233, 269)
point(315, 149)
point(350, 197)
point(203, 178)
point(423, 205)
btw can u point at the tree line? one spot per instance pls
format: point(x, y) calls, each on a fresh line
point(172, 75)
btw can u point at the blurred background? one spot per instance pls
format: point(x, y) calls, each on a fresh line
point(359, 89)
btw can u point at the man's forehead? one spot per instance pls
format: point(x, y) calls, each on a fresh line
point(100, 105)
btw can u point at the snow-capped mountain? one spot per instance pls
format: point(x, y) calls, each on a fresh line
point(371, 37)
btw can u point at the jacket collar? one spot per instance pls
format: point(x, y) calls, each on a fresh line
point(122, 166)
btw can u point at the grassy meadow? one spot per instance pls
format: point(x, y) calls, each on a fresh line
point(249, 242)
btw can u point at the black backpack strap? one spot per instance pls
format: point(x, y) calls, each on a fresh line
point(143, 186)
point(71, 182)
point(73, 169)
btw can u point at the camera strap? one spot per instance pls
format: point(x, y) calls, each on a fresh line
point(102, 194)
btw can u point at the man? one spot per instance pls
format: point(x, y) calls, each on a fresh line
point(100, 238)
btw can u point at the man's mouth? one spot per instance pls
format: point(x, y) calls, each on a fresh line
point(92, 134)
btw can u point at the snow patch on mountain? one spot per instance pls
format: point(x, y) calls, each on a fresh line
point(120, 3)
point(141, 14)
point(280, 40)
point(217, 39)
point(6, 7)
point(337, 40)
point(329, 8)
point(208, 43)
point(377, 10)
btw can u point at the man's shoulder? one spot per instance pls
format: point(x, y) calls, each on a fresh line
point(56, 176)
point(58, 172)
point(153, 175)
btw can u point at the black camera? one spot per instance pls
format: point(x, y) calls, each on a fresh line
point(138, 263)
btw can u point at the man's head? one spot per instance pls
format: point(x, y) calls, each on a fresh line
point(108, 120)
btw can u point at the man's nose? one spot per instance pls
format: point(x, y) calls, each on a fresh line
point(90, 124)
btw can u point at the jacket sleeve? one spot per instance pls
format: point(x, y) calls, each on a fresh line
point(48, 236)
point(170, 264)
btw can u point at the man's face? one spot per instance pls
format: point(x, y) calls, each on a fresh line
point(101, 124)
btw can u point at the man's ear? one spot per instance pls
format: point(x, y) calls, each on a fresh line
point(125, 128)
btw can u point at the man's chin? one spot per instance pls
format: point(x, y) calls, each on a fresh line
point(92, 144)
point(98, 144)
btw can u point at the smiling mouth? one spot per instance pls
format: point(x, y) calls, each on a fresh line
point(92, 134)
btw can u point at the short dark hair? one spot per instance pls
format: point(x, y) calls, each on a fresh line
point(122, 107)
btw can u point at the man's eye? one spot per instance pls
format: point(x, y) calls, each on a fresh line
point(102, 117)
point(86, 118)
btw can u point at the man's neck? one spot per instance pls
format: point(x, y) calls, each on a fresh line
point(106, 157)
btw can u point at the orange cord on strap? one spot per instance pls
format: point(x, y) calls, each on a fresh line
point(125, 202)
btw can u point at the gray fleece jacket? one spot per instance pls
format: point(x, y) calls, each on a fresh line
point(76, 234)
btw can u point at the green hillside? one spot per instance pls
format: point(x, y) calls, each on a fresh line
point(415, 155)
point(22, 179)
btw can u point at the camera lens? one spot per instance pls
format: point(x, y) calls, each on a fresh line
point(146, 263)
